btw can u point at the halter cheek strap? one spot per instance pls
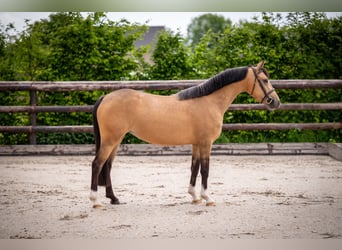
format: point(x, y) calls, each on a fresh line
point(253, 85)
point(266, 94)
point(269, 99)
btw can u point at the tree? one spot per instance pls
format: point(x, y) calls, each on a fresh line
point(2, 41)
point(68, 46)
point(302, 50)
point(95, 48)
point(200, 25)
point(7, 51)
point(314, 45)
point(170, 57)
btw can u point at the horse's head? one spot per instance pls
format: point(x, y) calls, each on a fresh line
point(261, 88)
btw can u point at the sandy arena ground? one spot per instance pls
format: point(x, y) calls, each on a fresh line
point(272, 197)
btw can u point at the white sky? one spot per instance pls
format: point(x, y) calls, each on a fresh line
point(175, 20)
point(172, 20)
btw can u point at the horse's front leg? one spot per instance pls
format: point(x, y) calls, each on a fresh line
point(204, 189)
point(195, 164)
point(205, 155)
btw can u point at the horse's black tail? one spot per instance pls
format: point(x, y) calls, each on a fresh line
point(97, 137)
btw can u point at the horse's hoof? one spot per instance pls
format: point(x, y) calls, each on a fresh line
point(211, 204)
point(115, 202)
point(196, 202)
point(97, 206)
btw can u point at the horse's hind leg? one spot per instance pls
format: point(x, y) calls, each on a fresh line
point(195, 164)
point(108, 181)
point(100, 159)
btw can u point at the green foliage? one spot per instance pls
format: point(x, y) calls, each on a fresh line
point(200, 25)
point(70, 47)
point(170, 57)
point(304, 48)
point(67, 47)
point(14, 119)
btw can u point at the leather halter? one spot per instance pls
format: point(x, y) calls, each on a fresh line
point(269, 99)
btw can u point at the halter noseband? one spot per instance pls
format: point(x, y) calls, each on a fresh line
point(269, 99)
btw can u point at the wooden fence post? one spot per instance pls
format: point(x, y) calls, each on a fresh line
point(33, 116)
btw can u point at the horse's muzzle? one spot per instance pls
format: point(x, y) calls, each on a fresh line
point(271, 103)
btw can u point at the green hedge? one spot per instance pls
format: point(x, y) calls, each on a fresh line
point(70, 47)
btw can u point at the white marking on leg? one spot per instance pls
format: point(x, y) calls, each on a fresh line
point(93, 195)
point(93, 198)
point(192, 192)
point(206, 197)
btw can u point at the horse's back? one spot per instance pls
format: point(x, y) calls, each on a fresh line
point(152, 118)
point(158, 119)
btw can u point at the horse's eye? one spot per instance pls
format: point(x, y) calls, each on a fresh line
point(265, 81)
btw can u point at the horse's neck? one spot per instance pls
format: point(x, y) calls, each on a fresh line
point(226, 95)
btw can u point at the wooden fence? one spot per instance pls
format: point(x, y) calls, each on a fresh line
point(34, 108)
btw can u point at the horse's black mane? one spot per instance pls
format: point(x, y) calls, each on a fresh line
point(214, 83)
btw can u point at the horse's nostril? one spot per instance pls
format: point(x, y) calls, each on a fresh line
point(269, 100)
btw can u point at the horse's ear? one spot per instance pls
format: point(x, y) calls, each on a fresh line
point(260, 65)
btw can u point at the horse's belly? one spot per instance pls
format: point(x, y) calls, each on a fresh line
point(164, 133)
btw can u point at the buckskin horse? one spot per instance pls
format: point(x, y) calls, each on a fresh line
point(192, 116)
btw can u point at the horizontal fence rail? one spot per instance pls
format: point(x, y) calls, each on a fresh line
point(233, 107)
point(150, 85)
point(234, 126)
point(34, 108)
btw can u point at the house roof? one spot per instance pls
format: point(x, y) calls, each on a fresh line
point(150, 36)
